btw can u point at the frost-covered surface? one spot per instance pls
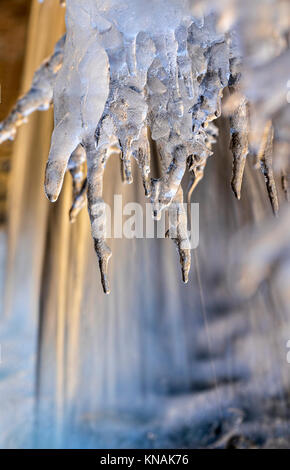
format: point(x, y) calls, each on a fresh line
point(39, 97)
point(135, 69)
point(154, 84)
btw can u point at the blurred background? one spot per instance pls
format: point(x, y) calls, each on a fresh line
point(156, 364)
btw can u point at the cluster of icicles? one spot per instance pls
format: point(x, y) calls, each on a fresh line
point(113, 90)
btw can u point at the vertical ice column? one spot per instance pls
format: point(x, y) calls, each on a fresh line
point(80, 92)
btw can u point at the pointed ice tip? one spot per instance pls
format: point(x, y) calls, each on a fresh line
point(185, 272)
point(147, 190)
point(236, 190)
point(156, 214)
point(51, 197)
point(72, 217)
point(184, 277)
point(272, 193)
point(128, 180)
point(275, 211)
point(106, 285)
point(238, 195)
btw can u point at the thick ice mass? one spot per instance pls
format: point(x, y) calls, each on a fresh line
point(134, 71)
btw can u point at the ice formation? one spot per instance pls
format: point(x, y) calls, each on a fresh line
point(132, 71)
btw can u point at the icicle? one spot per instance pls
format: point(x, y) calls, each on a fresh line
point(96, 161)
point(164, 189)
point(39, 97)
point(169, 118)
point(142, 157)
point(165, 76)
point(197, 161)
point(179, 234)
point(196, 166)
point(126, 161)
point(239, 145)
point(77, 168)
point(239, 125)
point(265, 159)
point(183, 59)
point(285, 185)
point(80, 93)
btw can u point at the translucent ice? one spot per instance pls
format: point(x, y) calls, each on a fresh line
point(135, 70)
